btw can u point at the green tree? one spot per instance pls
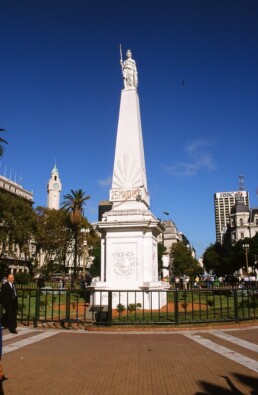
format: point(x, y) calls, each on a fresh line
point(18, 221)
point(220, 259)
point(227, 258)
point(74, 204)
point(239, 255)
point(94, 244)
point(212, 258)
point(183, 261)
point(2, 141)
point(161, 251)
point(53, 236)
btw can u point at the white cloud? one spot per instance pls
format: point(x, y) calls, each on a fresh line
point(197, 145)
point(200, 159)
point(106, 182)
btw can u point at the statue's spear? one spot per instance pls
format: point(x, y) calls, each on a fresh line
point(121, 58)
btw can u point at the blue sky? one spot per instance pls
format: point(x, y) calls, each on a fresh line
point(60, 84)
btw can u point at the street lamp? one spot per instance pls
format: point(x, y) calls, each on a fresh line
point(255, 263)
point(84, 232)
point(246, 248)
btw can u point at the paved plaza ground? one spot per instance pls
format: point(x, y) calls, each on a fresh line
point(114, 361)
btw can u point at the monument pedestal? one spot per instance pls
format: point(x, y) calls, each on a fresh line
point(148, 297)
point(129, 248)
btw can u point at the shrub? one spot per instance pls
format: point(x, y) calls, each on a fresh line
point(22, 278)
point(131, 307)
point(120, 308)
point(210, 302)
point(184, 305)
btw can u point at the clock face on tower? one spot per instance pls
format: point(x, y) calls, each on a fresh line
point(56, 185)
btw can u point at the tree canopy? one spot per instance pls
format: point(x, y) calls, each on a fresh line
point(51, 232)
point(227, 258)
point(183, 261)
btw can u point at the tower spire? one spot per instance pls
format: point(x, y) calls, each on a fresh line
point(54, 188)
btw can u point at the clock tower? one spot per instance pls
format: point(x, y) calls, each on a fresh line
point(54, 188)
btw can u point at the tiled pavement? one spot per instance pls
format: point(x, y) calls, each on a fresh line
point(156, 362)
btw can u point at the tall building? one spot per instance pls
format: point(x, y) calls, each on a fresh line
point(104, 206)
point(223, 203)
point(54, 188)
point(171, 235)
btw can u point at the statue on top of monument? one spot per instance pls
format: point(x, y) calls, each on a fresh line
point(129, 70)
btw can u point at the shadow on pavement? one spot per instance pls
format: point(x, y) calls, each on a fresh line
point(213, 389)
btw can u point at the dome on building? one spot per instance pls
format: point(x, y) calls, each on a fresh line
point(239, 207)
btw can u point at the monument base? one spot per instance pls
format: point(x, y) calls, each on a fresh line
point(150, 296)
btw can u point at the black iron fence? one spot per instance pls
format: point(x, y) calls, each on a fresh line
point(120, 307)
point(191, 285)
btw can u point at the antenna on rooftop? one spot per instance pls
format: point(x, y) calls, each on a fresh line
point(241, 183)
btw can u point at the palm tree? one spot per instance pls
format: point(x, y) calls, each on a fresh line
point(1, 142)
point(73, 203)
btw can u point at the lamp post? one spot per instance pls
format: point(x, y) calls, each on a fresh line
point(255, 263)
point(246, 248)
point(84, 231)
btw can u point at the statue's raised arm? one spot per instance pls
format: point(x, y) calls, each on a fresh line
point(129, 71)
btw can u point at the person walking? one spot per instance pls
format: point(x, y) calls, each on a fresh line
point(9, 300)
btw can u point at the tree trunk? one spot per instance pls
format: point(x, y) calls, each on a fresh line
point(75, 250)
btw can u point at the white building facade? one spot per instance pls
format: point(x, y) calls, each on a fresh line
point(243, 221)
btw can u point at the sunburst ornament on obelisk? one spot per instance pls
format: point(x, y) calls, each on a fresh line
point(129, 258)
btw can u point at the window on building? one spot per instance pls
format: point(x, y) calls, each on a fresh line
point(242, 235)
point(241, 221)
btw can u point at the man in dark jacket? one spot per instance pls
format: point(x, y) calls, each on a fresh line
point(9, 300)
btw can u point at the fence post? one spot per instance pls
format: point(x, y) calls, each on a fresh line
point(176, 306)
point(68, 308)
point(109, 307)
point(37, 306)
point(236, 305)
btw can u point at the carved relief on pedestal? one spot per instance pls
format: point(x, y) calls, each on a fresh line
point(124, 263)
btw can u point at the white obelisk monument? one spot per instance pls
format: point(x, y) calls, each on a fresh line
point(129, 254)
